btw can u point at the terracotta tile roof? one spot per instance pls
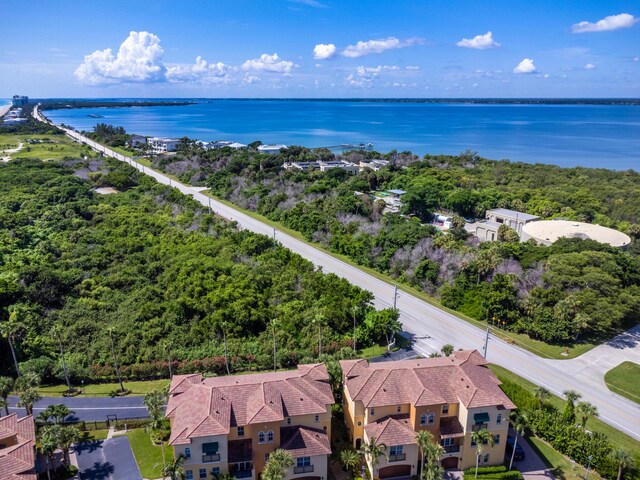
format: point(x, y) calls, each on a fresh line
point(213, 405)
point(17, 461)
point(450, 427)
point(392, 430)
point(304, 441)
point(181, 383)
point(461, 377)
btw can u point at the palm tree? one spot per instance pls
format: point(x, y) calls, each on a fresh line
point(624, 459)
point(67, 436)
point(7, 385)
point(3, 404)
point(58, 334)
point(569, 413)
point(174, 469)
point(27, 398)
point(111, 332)
point(10, 329)
point(275, 353)
point(226, 355)
point(276, 467)
point(519, 424)
point(433, 469)
point(320, 321)
point(447, 349)
point(584, 411)
point(424, 439)
point(373, 450)
point(480, 437)
point(350, 459)
point(154, 401)
point(47, 444)
point(59, 412)
point(167, 345)
point(542, 394)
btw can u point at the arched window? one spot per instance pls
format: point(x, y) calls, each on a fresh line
point(358, 443)
point(423, 419)
point(270, 436)
point(432, 418)
point(261, 437)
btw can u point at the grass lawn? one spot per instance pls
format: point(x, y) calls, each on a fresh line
point(148, 456)
point(103, 389)
point(616, 437)
point(90, 435)
point(61, 147)
point(625, 380)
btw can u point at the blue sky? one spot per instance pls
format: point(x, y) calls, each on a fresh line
point(320, 48)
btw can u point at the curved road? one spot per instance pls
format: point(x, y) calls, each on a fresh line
point(432, 327)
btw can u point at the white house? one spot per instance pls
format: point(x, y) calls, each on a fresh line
point(272, 148)
point(163, 145)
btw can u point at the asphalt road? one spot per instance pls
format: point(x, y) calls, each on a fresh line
point(432, 327)
point(88, 409)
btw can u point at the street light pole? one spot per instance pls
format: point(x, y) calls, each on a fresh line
point(486, 344)
point(355, 308)
point(274, 238)
point(590, 457)
point(395, 295)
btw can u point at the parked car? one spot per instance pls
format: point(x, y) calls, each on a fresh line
point(519, 450)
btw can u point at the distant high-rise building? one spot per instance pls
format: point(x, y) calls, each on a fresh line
point(19, 100)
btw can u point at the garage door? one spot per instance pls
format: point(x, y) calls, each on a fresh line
point(451, 462)
point(395, 471)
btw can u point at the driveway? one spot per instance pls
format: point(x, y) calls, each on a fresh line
point(107, 460)
point(89, 409)
point(532, 467)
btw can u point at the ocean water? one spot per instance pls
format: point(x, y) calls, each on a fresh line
point(606, 136)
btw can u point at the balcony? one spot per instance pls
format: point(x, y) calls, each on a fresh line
point(479, 426)
point(305, 469)
point(243, 474)
point(211, 458)
point(400, 457)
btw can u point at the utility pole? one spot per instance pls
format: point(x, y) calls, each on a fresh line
point(273, 322)
point(209, 198)
point(486, 344)
point(395, 295)
point(274, 238)
point(355, 308)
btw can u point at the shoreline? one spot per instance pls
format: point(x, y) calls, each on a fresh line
point(4, 109)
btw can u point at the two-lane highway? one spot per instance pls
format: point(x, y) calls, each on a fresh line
point(431, 326)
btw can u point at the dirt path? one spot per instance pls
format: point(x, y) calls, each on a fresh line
point(6, 158)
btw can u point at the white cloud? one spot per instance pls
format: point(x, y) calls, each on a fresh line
point(590, 66)
point(378, 46)
point(250, 79)
point(525, 66)
point(412, 67)
point(139, 59)
point(612, 22)
point(201, 71)
point(479, 42)
point(324, 52)
point(546, 75)
point(636, 59)
point(269, 63)
point(310, 3)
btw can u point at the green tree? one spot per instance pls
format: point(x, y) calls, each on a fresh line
point(585, 410)
point(519, 425)
point(569, 413)
point(10, 329)
point(174, 469)
point(7, 385)
point(276, 467)
point(624, 459)
point(67, 436)
point(350, 459)
point(433, 468)
point(27, 398)
point(480, 437)
point(542, 394)
point(506, 234)
point(47, 444)
point(447, 349)
point(154, 402)
point(372, 450)
point(58, 334)
point(57, 411)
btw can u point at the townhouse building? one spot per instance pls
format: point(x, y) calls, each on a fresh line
point(448, 396)
point(231, 424)
point(17, 448)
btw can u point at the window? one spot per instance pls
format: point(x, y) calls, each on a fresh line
point(398, 408)
point(203, 473)
point(432, 418)
point(496, 439)
point(423, 419)
point(261, 437)
point(188, 474)
point(270, 436)
point(303, 461)
point(210, 452)
point(372, 411)
point(215, 471)
point(317, 419)
point(266, 457)
point(447, 442)
point(473, 442)
point(395, 450)
point(486, 458)
point(288, 420)
point(241, 431)
point(499, 419)
point(187, 452)
point(445, 408)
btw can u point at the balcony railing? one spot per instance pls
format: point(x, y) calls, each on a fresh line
point(452, 449)
point(305, 469)
point(211, 458)
point(400, 457)
point(479, 426)
point(243, 474)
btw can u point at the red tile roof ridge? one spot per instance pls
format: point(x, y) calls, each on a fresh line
point(181, 383)
point(382, 430)
point(314, 441)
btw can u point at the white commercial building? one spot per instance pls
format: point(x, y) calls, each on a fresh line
point(163, 145)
